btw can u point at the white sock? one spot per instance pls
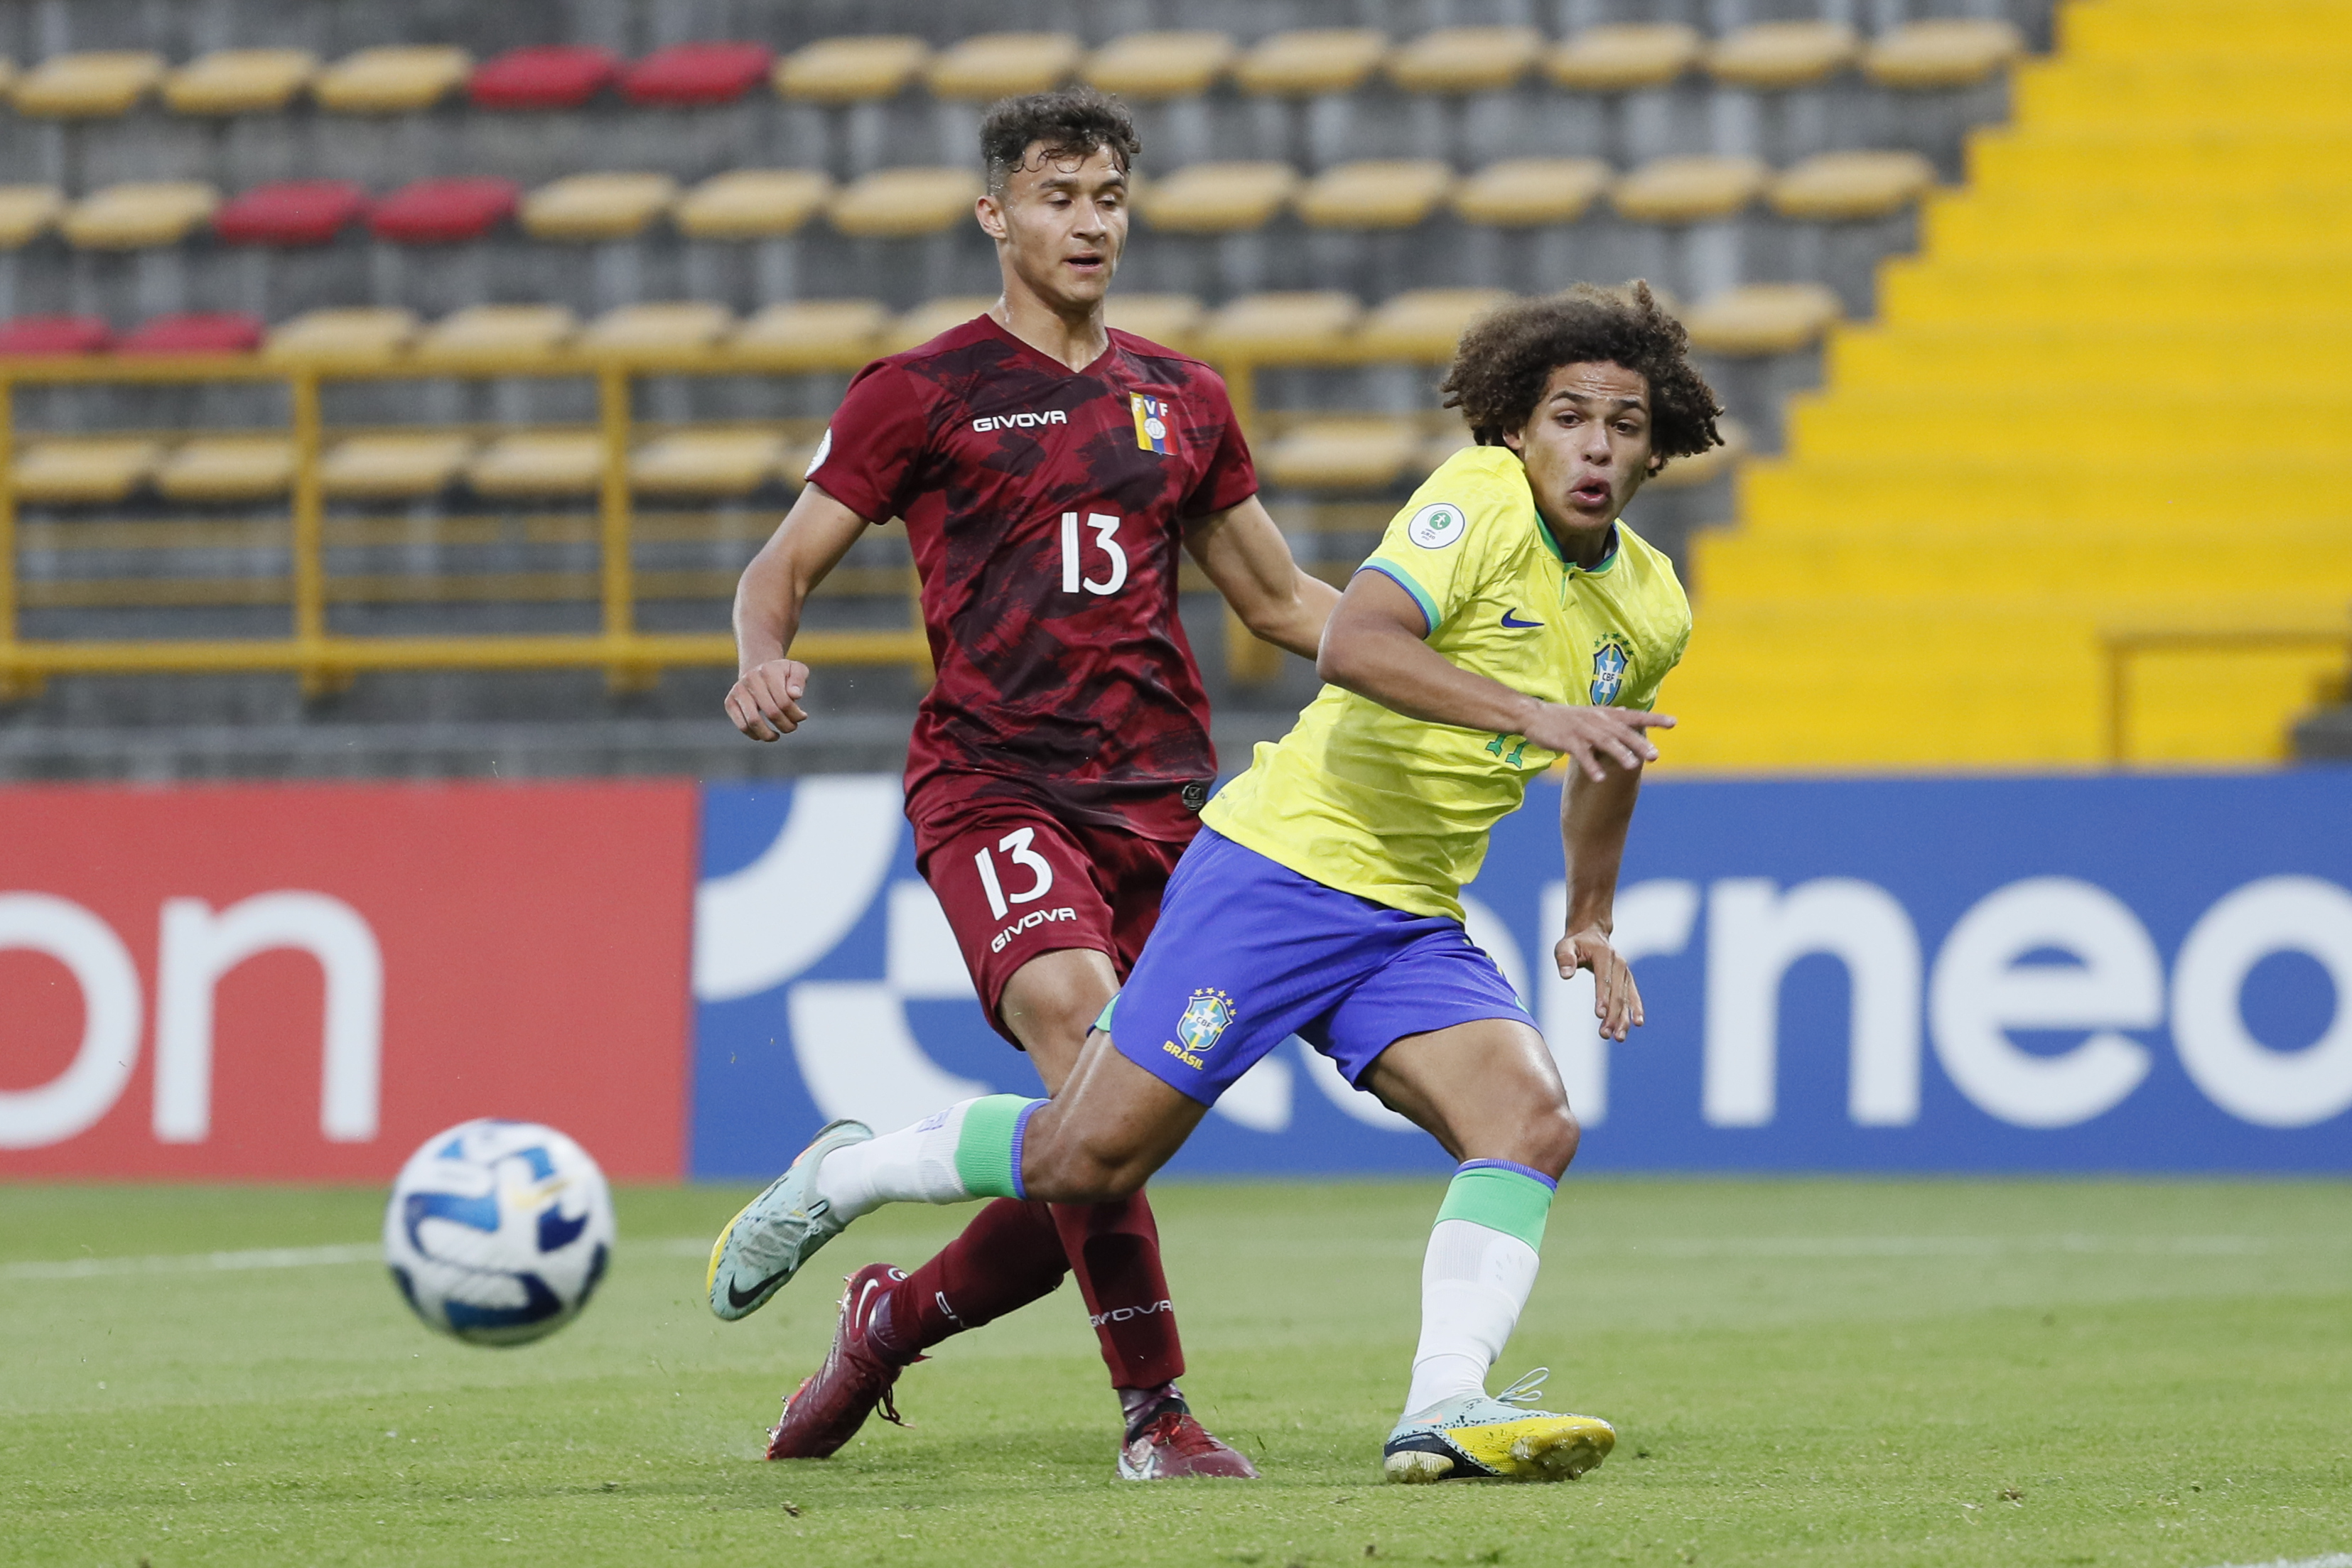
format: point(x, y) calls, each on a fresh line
point(1474, 1281)
point(913, 1165)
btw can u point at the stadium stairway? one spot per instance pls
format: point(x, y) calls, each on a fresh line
point(2081, 493)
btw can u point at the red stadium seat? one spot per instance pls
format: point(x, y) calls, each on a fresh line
point(436, 212)
point(292, 212)
point(551, 76)
point(56, 335)
point(226, 332)
point(687, 73)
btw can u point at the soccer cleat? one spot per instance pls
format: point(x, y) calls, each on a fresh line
point(766, 1243)
point(1472, 1436)
point(1169, 1444)
point(833, 1401)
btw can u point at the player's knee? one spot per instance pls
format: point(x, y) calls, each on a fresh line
point(1549, 1138)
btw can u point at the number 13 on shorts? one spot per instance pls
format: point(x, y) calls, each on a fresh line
point(1015, 844)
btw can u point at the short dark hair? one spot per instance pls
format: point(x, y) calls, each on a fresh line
point(1072, 122)
point(1507, 356)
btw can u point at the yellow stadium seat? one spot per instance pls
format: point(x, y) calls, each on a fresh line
point(681, 324)
point(850, 70)
point(539, 463)
point(1423, 324)
point(362, 335)
point(813, 333)
point(752, 203)
point(393, 467)
point(497, 336)
point(928, 320)
point(1835, 186)
point(1171, 320)
point(240, 81)
point(1688, 190)
point(28, 212)
point(1464, 59)
point(1706, 468)
point(1311, 61)
point(1271, 327)
point(87, 472)
point(88, 85)
point(901, 203)
point(597, 207)
point(997, 65)
point(1378, 193)
point(1520, 192)
point(707, 463)
point(396, 80)
point(1435, 449)
point(1624, 57)
point(1942, 52)
point(1217, 198)
point(1148, 68)
point(1342, 454)
point(1763, 319)
point(139, 216)
point(228, 468)
point(1777, 55)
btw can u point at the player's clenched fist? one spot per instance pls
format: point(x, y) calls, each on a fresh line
point(765, 701)
point(1616, 1000)
point(1595, 737)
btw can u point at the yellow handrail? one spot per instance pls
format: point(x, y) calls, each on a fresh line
point(2120, 645)
point(324, 661)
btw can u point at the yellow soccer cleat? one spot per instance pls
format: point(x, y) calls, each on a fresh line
point(1472, 1437)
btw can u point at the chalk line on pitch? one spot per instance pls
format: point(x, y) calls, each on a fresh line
point(273, 1257)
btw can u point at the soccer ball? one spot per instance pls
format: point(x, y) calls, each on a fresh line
point(498, 1232)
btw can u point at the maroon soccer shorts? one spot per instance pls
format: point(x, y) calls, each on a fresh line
point(1018, 881)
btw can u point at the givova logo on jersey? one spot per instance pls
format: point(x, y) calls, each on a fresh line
point(1205, 1018)
point(1608, 663)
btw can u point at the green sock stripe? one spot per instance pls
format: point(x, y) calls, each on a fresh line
point(1500, 1200)
point(984, 1145)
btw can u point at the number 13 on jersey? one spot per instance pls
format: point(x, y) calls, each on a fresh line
point(1073, 570)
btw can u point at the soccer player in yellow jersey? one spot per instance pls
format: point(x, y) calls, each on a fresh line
point(1509, 619)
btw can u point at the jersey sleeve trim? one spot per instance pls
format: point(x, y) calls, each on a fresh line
point(1404, 580)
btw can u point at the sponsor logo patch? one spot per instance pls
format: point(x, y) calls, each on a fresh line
point(1436, 526)
point(1029, 922)
point(987, 423)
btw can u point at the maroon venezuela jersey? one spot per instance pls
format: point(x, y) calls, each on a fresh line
point(1047, 509)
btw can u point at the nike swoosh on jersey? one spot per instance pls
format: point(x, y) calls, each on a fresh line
point(1518, 625)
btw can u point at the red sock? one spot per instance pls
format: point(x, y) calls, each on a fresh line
point(1009, 1256)
point(1113, 1250)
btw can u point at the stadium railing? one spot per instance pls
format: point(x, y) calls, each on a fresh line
point(325, 659)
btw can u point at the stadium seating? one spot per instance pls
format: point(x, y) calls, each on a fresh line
point(554, 76)
point(227, 469)
point(1146, 68)
point(222, 332)
point(364, 335)
point(850, 70)
point(1982, 509)
point(1624, 57)
point(696, 74)
point(293, 213)
point(139, 216)
point(393, 79)
point(56, 335)
point(597, 207)
point(240, 81)
point(88, 85)
point(28, 212)
point(443, 212)
point(749, 203)
point(995, 65)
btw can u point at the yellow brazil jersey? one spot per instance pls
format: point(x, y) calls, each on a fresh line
point(1397, 810)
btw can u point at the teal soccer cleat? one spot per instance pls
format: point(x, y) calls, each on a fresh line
point(1472, 1437)
point(765, 1244)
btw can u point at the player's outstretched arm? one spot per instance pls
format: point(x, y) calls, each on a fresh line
point(1249, 560)
point(1593, 817)
point(765, 701)
point(1375, 649)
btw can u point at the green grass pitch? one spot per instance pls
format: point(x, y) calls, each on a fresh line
point(1806, 1372)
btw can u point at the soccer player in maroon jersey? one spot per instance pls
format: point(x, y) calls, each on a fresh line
point(1048, 469)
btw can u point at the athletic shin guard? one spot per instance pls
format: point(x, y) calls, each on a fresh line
point(1474, 1278)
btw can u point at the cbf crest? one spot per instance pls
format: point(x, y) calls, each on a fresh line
point(1609, 662)
point(1205, 1018)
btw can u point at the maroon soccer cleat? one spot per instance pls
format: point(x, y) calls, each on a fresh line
point(1169, 1444)
point(832, 1403)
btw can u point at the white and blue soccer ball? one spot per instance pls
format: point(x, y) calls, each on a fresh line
point(498, 1232)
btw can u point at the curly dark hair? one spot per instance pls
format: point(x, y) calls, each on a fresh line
point(1507, 356)
point(1073, 121)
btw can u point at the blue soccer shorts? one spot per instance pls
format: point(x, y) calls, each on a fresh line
point(1248, 951)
